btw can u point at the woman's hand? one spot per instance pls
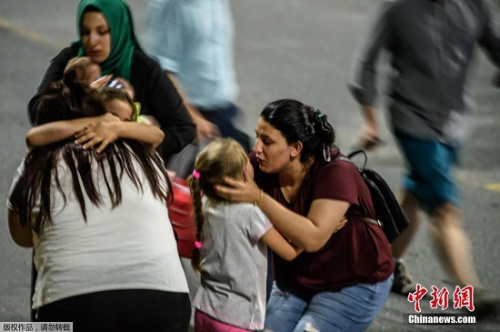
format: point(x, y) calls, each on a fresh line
point(341, 224)
point(100, 133)
point(245, 190)
point(106, 117)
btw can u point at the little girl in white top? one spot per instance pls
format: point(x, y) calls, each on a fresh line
point(231, 247)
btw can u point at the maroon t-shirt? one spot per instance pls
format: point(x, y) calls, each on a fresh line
point(357, 253)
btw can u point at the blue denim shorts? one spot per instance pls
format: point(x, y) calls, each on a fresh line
point(430, 165)
point(351, 309)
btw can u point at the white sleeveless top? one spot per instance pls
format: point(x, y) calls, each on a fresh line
point(129, 247)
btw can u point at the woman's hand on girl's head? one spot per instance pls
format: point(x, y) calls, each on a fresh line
point(245, 190)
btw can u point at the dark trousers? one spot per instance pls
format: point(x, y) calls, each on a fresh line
point(183, 162)
point(132, 310)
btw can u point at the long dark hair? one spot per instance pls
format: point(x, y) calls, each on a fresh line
point(69, 100)
point(300, 122)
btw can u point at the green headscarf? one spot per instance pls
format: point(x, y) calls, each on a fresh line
point(123, 39)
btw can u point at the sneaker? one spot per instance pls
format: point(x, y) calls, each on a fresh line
point(403, 283)
point(485, 303)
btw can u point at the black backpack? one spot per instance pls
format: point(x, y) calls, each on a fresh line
point(389, 213)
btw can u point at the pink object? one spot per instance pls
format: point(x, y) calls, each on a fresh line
point(198, 244)
point(196, 174)
point(204, 322)
point(181, 217)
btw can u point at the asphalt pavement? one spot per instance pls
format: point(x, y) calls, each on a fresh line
point(284, 49)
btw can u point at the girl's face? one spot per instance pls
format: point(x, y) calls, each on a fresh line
point(96, 37)
point(121, 108)
point(271, 148)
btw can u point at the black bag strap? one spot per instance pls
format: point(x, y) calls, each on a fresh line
point(348, 159)
point(356, 152)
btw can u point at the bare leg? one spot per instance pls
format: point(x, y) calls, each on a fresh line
point(410, 206)
point(453, 244)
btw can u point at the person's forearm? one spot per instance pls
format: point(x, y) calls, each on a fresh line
point(54, 131)
point(22, 236)
point(204, 128)
point(298, 229)
point(369, 116)
point(141, 132)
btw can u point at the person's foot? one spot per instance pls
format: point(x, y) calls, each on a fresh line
point(496, 80)
point(485, 303)
point(403, 283)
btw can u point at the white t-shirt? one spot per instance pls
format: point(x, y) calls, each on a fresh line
point(234, 265)
point(129, 247)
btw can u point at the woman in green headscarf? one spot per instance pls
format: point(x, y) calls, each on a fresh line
point(116, 30)
point(106, 35)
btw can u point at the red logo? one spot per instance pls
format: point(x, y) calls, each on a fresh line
point(463, 297)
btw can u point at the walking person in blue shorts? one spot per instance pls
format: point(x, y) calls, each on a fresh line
point(428, 109)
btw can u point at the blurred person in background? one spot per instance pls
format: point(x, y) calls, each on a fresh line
point(430, 44)
point(496, 6)
point(193, 42)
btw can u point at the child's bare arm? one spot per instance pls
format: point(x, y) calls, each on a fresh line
point(281, 246)
point(104, 133)
point(52, 132)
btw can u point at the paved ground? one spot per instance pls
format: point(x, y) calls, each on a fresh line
point(284, 48)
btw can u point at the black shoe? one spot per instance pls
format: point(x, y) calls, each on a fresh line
point(403, 283)
point(485, 303)
point(496, 80)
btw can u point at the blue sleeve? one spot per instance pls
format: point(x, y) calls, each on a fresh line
point(164, 33)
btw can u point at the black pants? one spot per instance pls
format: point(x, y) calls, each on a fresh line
point(133, 310)
point(183, 162)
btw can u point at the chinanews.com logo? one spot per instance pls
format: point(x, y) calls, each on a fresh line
point(462, 299)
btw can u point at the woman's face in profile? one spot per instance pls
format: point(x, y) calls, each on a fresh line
point(96, 37)
point(271, 148)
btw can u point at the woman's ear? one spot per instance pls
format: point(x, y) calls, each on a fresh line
point(296, 149)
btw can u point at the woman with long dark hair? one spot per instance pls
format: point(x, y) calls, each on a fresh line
point(104, 248)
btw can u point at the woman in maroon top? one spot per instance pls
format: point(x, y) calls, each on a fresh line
point(344, 276)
